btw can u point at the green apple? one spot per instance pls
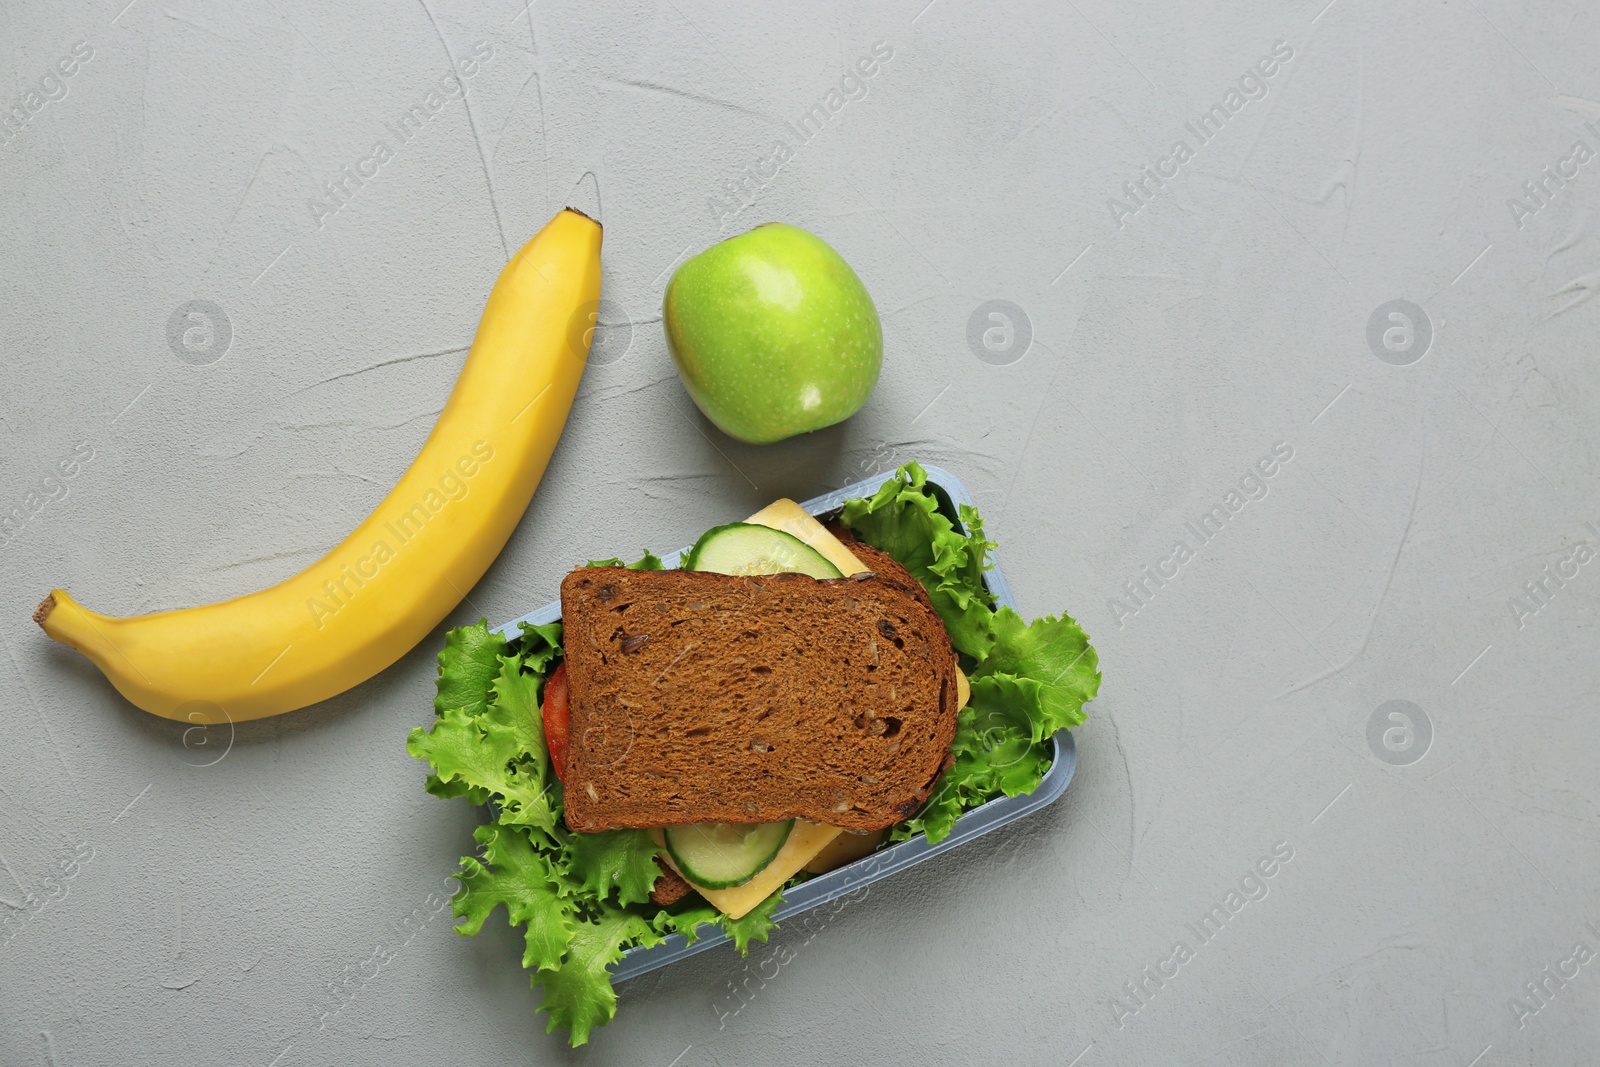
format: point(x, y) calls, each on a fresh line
point(773, 334)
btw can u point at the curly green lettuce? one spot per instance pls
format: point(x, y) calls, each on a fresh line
point(577, 895)
point(649, 562)
point(755, 924)
point(615, 862)
point(582, 899)
point(525, 881)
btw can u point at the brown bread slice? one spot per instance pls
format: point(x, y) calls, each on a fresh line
point(670, 886)
point(698, 697)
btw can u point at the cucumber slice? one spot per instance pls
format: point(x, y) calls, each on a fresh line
point(747, 548)
point(721, 855)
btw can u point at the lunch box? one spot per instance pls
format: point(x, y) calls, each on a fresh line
point(852, 877)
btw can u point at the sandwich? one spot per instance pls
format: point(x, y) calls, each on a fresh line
point(686, 743)
point(753, 716)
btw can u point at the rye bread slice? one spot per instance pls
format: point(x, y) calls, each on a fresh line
point(698, 697)
point(670, 886)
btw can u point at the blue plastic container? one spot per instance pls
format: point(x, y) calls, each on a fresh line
point(885, 861)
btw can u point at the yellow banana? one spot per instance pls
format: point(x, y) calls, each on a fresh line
point(367, 602)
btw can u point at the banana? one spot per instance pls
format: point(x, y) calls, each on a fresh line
point(398, 574)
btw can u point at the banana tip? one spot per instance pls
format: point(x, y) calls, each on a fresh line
point(42, 612)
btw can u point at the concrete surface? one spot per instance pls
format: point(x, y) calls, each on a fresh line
point(207, 899)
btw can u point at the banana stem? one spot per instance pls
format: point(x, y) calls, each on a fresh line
point(66, 621)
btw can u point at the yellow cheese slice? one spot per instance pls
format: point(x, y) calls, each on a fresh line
point(846, 848)
point(804, 842)
point(793, 519)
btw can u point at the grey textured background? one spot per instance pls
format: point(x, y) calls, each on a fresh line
point(221, 905)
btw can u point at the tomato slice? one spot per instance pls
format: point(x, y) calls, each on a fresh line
point(557, 724)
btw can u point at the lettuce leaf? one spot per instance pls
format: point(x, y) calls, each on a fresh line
point(466, 665)
point(540, 647)
point(523, 881)
point(1046, 667)
point(903, 519)
point(753, 925)
point(686, 917)
point(650, 562)
point(994, 756)
point(489, 746)
point(578, 995)
point(497, 752)
point(614, 861)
